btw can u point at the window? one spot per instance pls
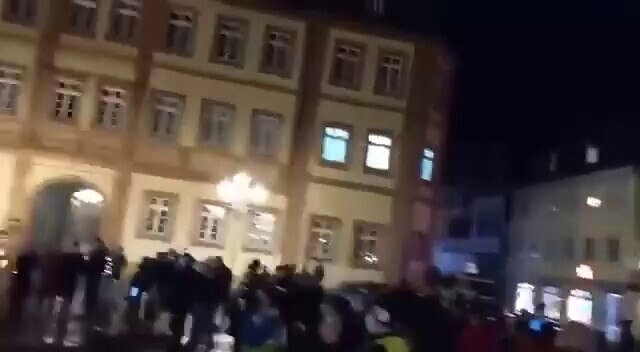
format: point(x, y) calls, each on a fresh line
point(553, 162)
point(365, 247)
point(112, 109)
point(21, 11)
point(613, 250)
point(83, 16)
point(167, 113)
point(261, 231)
point(9, 90)
point(68, 93)
point(390, 73)
point(278, 52)
point(180, 32)
point(230, 42)
point(125, 19)
point(376, 7)
point(335, 144)
point(591, 154)
point(211, 223)
point(347, 66)
point(323, 231)
point(426, 165)
point(590, 249)
point(265, 133)
point(378, 152)
point(158, 215)
point(217, 123)
point(568, 249)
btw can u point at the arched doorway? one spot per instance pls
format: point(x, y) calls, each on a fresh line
point(65, 212)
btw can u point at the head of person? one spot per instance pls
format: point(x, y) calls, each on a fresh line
point(539, 310)
point(378, 320)
point(432, 277)
point(318, 272)
point(185, 260)
point(255, 265)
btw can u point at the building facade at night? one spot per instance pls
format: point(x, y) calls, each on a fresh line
point(151, 103)
point(574, 246)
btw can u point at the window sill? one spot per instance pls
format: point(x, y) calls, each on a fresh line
point(207, 244)
point(256, 250)
point(362, 266)
point(159, 238)
point(334, 165)
point(376, 172)
point(220, 61)
point(286, 74)
point(342, 85)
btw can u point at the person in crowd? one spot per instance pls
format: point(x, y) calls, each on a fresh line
point(119, 262)
point(479, 335)
point(21, 280)
point(93, 273)
point(304, 297)
point(261, 328)
point(629, 322)
point(180, 298)
point(252, 276)
point(384, 331)
point(341, 329)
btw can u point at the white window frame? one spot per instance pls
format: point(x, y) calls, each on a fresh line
point(67, 92)
point(352, 55)
point(375, 141)
point(10, 89)
point(359, 257)
point(167, 114)
point(215, 114)
point(267, 142)
point(86, 10)
point(391, 67)
point(112, 111)
point(325, 250)
point(155, 204)
point(184, 26)
point(282, 46)
point(212, 217)
point(230, 30)
point(129, 14)
point(428, 154)
point(257, 233)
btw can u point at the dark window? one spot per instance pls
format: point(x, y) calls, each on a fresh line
point(590, 249)
point(21, 11)
point(613, 249)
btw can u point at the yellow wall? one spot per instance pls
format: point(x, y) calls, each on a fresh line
point(372, 46)
point(7, 167)
point(207, 23)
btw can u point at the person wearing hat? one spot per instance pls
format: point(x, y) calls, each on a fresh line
point(384, 338)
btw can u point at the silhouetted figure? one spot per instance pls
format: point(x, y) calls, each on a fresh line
point(20, 290)
point(94, 270)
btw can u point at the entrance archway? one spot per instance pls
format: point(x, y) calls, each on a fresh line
point(65, 212)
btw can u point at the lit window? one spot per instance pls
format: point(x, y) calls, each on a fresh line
point(335, 144)
point(21, 11)
point(426, 165)
point(594, 202)
point(580, 307)
point(389, 80)
point(125, 20)
point(180, 32)
point(211, 223)
point(365, 248)
point(112, 109)
point(346, 66)
point(9, 90)
point(524, 298)
point(261, 231)
point(592, 154)
point(552, 302)
point(68, 94)
point(378, 152)
point(266, 134)
point(217, 123)
point(83, 16)
point(158, 216)
point(277, 52)
point(376, 7)
point(167, 113)
point(613, 250)
point(230, 41)
point(322, 237)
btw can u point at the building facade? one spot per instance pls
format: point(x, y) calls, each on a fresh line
point(574, 246)
point(152, 103)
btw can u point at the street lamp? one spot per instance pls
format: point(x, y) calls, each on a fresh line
point(240, 191)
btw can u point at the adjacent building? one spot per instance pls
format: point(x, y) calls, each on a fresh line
point(151, 103)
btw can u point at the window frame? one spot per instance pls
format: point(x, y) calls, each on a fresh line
point(197, 227)
point(244, 29)
point(17, 19)
point(335, 233)
point(433, 164)
point(358, 71)
point(117, 8)
point(76, 7)
point(206, 108)
point(175, 134)
point(125, 100)
point(189, 48)
point(355, 258)
point(274, 235)
point(255, 115)
point(18, 85)
point(290, 55)
point(373, 171)
point(381, 85)
point(77, 91)
point(348, 157)
point(174, 199)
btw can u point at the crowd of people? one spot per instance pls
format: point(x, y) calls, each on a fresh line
point(196, 307)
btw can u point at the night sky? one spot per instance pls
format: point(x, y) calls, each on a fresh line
point(534, 76)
